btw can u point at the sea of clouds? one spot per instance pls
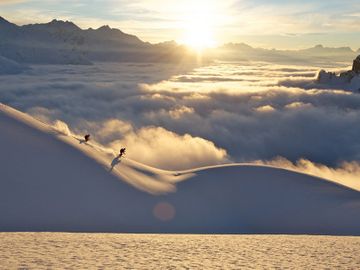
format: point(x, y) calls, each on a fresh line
point(178, 116)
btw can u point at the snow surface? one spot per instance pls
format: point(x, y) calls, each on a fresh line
point(52, 181)
point(155, 251)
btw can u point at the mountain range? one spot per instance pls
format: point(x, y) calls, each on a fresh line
point(63, 42)
point(317, 54)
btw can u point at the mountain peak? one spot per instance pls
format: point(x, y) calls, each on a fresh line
point(63, 24)
point(105, 28)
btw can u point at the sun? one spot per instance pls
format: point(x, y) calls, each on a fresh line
point(198, 27)
point(199, 38)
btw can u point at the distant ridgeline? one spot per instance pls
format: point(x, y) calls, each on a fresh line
point(62, 42)
point(317, 55)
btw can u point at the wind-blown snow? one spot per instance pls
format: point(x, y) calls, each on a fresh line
point(53, 181)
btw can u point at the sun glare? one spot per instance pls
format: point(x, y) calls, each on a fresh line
point(199, 38)
point(198, 26)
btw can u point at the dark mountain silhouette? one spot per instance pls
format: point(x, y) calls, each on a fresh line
point(63, 42)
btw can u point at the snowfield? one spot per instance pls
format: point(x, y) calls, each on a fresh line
point(164, 251)
point(50, 180)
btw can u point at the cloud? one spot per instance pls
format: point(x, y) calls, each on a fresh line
point(295, 16)
point(298, 105)
point(258, 118)
point(178, 113)
point(107, 131)
point(265, 109)
point(5, 2)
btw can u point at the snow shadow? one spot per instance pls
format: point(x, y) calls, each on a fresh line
point(114, 162)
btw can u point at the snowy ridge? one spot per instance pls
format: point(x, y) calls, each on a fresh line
point(141, 176)
point(52, 181)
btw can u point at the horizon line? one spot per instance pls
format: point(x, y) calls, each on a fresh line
point(353, 49)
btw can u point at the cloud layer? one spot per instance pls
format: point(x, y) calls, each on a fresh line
point(177, 116)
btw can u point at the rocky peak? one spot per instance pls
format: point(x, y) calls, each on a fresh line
point(62, 24)
point(356, 65)
point(105, 28)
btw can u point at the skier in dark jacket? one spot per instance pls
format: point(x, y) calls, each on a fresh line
point(122, 152)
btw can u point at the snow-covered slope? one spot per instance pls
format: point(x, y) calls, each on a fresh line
point(52, 181)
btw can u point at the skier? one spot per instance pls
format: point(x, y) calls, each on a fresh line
point(122, 152)
point(87, 137)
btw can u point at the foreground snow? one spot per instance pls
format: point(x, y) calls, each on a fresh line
point(121, 251)
point(53, 181)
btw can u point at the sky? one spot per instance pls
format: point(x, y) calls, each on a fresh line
point(290, 24)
